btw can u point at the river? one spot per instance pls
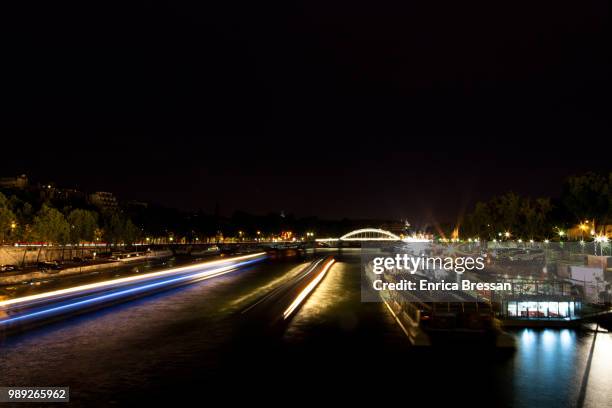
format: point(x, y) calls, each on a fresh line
point(187, 344)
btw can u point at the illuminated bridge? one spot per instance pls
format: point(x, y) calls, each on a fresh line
point(369, 234)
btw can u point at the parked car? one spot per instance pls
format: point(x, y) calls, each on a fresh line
point(8, 268)
point(47, 265)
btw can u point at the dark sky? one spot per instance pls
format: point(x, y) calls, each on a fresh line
point(319, 107)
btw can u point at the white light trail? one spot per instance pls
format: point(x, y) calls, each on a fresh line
point(129, 279)
point(306, 291)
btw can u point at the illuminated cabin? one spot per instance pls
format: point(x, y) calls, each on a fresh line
point(542, 299)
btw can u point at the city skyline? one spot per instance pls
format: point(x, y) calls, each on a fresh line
point(264, 108)
point(438, 186)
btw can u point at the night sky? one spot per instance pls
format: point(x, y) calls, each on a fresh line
point(321, 108)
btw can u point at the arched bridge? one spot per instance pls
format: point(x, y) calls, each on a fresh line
point(367, 234)
point(370, 234)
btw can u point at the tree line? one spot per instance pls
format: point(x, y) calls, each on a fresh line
point(19, 222)
point(30, 217)
point(586, 197)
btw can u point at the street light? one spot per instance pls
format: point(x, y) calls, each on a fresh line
point(561, 234)
point(602, 239)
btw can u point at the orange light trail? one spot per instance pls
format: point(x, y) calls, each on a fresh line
point(306, 291)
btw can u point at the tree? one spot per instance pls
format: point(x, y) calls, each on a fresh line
point(120, 230)
point(609, 212)
point(131, 233)
point(478, 223)
point(7, 219)
point(50, 225)
point(521, 217)
point(588, 197)
point(113, 229)
point(83, 225)
point(506, 210)
point(535, 217)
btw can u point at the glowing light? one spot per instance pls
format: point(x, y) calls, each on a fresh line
point(415, 239)
point(306, 291)
point(128, 279)
point(199, 276)
point(389, 236)
point(399, 322)
point(95, 297)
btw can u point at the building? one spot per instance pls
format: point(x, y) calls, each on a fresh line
point(105, 201)
point(19, 182)
point(136, 205)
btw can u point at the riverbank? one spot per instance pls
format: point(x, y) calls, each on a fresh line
point(13, 278)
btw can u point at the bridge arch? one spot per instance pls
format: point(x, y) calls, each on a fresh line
point(370, 234)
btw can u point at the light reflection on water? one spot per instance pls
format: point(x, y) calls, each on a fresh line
point(599, 388)
point(329, 293)
point(551, 368)
point(179, 334)
point(544, 360)
point(261, 291)
point(547, 370)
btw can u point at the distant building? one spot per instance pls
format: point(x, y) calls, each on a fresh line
point(70, 195)
point(105, 201)
point(19, 182)
point(133, 204)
